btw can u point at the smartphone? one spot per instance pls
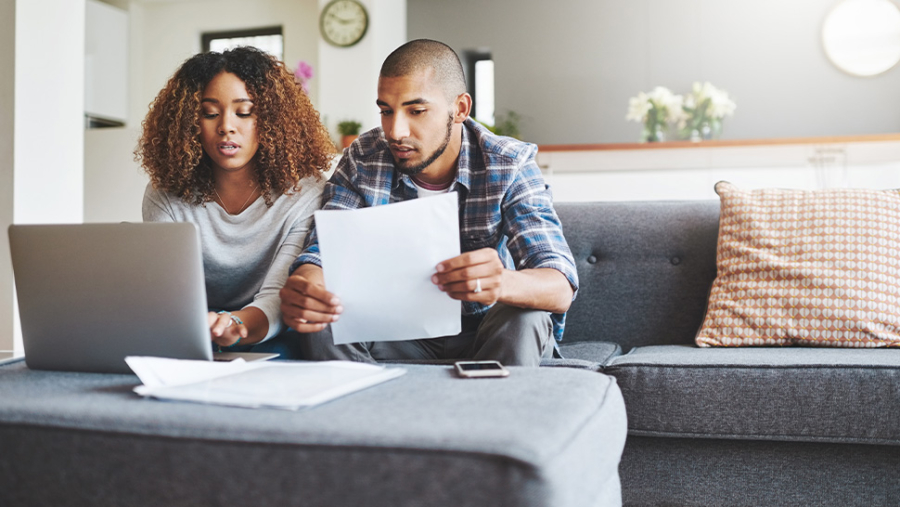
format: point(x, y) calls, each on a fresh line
point(480, 369)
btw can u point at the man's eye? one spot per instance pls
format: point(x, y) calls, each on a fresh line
point(385, 112)
point(417, 112)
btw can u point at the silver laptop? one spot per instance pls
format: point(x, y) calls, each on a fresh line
point(91, 294)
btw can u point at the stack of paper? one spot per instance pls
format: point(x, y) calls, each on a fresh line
point(241, 384)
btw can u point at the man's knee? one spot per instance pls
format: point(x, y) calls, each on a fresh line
point(516, 336)
point(533, 322)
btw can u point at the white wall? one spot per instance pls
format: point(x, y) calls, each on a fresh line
point(7, 140)
point(350, 74)
point(113, 182)
point(570, 66)
point(49, 111)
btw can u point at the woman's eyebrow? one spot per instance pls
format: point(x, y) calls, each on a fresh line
point(215, 101)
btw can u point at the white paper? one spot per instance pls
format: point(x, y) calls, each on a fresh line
point(379, 261)
point(160, 371)
point(285, 385)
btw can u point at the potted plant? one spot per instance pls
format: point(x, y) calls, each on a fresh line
point(656, 110)
point(349, 130)
point(705, 107)
point(505, 125)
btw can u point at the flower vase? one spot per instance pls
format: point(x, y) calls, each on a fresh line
point(654, 134)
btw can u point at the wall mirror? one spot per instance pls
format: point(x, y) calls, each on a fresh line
point(862, 37)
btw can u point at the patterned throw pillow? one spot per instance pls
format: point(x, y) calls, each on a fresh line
point(799, 267)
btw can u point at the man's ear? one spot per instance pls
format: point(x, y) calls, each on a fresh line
point(462, 108)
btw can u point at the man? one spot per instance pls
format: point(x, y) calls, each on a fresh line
point(516, 268)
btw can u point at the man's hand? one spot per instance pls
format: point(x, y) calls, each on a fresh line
point(473, 276)
point(480, 276)
point(305, 304)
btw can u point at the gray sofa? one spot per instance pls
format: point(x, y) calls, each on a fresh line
point(748, 426)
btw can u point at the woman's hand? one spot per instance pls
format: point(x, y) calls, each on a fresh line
point(224, 331)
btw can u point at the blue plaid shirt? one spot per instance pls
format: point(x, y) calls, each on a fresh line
point(503, 202)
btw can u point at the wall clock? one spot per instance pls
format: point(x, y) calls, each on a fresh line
point(344, 22)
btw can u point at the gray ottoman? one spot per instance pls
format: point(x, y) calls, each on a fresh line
point(542, 437)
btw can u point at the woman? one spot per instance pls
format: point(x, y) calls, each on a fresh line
point(234, 146)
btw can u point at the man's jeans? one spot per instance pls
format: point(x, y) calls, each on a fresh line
point(513, 336)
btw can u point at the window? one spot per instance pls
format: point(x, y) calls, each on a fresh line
point(268, 39)
point(484, 89)
point(480, 78)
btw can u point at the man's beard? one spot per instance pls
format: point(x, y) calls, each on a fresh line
point(412, 171)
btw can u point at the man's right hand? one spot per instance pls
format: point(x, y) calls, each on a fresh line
point(305, 304)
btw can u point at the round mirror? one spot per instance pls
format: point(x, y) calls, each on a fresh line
point(862, 37)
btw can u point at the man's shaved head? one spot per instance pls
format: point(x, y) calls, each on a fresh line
point(418, 55)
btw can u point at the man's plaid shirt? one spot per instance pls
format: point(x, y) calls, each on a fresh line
point(503, 202)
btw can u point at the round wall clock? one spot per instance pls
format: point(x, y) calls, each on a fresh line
point(344, 22)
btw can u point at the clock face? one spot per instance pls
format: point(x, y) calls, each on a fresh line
point(344, 22)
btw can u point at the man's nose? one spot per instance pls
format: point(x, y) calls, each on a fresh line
point(399, 128)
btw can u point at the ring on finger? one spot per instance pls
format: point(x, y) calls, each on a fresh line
point(477, 286)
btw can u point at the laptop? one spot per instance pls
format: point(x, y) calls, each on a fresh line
point(91, 294)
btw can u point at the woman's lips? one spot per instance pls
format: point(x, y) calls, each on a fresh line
point(228, 148)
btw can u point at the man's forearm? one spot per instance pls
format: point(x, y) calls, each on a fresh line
point(539, 289)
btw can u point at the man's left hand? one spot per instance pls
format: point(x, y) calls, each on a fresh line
point(472, 276)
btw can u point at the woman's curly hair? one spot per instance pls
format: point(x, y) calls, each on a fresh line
point(293, 143)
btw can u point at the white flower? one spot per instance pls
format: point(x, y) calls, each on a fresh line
point(676, 109)
point(638, 107)
point(661, 98)
point(720, 105)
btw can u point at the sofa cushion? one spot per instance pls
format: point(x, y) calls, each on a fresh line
point(806, 267)
point(644, 270)
point(598, 353)
point(796, 393)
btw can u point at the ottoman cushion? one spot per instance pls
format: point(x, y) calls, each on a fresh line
point(540, 437)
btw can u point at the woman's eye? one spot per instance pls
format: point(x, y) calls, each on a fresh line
point(210, 116)
point(244, 115)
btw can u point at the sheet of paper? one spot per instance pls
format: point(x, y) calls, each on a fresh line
point(380, 260)
point(160, 371)
point(284, 385)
